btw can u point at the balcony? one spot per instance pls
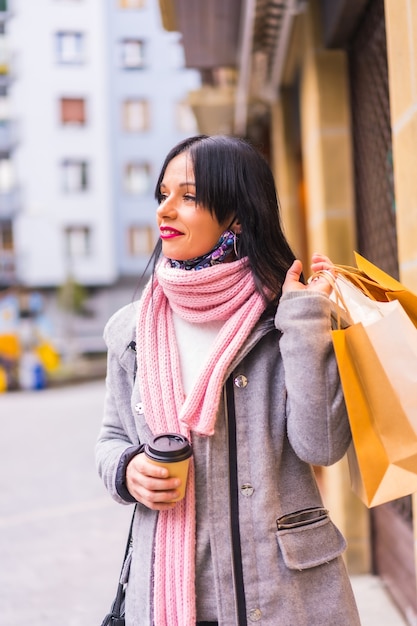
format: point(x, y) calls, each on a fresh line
point(10, 203)
point(213, 108)
point(8, 273)
point(210, 30)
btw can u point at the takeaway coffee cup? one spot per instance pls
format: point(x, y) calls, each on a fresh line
point(172, 451)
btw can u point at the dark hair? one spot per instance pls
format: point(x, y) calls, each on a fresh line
point(234, 180)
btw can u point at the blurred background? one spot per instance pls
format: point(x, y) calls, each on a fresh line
point(93, 94)
point(92, 97)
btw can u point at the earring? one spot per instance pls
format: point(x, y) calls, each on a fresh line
point(235, 244)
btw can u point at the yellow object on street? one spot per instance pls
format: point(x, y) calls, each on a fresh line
point(48, 356)
point(9, 346)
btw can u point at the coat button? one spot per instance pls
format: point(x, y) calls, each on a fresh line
point(139, 408)
point(246, 490)
point(241, 381)
point(255, 615)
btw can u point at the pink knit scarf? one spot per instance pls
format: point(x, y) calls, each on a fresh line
point(222, 292)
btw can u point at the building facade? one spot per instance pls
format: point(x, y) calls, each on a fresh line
point(9, 193)
point(62, 161)
point(97, 93)
point(147, 93)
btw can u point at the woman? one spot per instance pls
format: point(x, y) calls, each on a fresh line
point(233, 351)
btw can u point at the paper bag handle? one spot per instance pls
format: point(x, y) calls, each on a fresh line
point(329, 276)
point(357, 278)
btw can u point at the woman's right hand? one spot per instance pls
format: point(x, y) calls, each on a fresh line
point(150, 485)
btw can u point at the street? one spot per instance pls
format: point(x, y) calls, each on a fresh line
point(61, 535)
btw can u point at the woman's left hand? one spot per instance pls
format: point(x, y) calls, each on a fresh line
point(318, 262)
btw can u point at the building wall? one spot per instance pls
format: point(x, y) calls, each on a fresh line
point(327, 207)
point(326, 145)
point(163, 83)
point(41, 81)
point(329, 198)
point(106, 208)
point(288, 169)
point(401, 26)
point(9, 192)
point(84, 233)
point(329, 189)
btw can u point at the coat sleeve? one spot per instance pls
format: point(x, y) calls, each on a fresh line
point(118, 432)
point(317, 423)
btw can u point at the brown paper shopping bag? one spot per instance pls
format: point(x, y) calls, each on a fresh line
point(379, 285)
point(377, 359)
point(383, 455)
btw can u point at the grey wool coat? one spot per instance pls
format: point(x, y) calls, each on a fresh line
point(290, 415)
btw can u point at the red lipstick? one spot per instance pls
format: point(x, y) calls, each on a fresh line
point(169, 233)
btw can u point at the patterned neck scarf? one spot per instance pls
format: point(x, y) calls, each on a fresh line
point(223, 248)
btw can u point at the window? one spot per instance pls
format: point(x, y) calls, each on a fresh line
point(7, 254)
point(140, 240)
point(132, 4)
point(136, 178)
point(75, 175)
point(78, 241)
point(135, 115)
point(185, 119)
point(132, 54)
point(69, 47)
point(6, 236)
point(72, 111)
point(7, 179)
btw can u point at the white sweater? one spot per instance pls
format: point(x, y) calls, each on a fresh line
point(194, 343)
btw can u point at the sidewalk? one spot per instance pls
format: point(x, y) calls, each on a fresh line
point(374, 603)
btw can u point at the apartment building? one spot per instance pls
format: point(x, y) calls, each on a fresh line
point(96, 89)
point(61, 163)
point(97, 93)
point(9, 197)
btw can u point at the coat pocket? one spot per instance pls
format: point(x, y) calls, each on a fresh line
point(306, 546)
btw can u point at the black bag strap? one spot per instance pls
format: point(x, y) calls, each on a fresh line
point(116, 616)
point(234, 504)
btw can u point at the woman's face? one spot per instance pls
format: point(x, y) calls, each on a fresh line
point(187, 230)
